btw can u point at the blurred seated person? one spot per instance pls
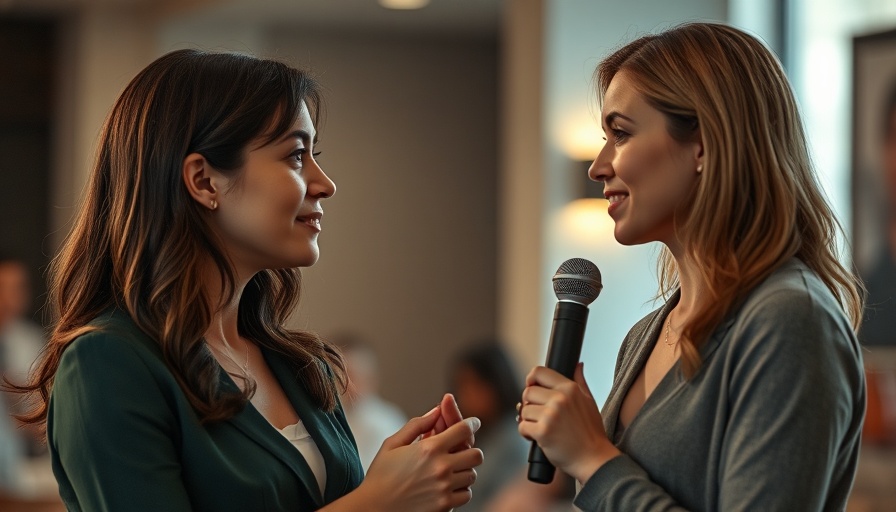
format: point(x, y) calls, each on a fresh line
point(485, 380)
point(20, 343)
point(371, 418)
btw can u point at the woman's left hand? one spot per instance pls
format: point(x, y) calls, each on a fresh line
point(562, 417)
point(449, 414)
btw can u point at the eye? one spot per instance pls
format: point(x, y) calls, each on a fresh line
point(619, 136)
point(298, 156)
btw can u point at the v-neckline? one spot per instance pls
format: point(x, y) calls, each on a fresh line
point(662, 388)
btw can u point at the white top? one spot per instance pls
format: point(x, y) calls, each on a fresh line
point(300, 438)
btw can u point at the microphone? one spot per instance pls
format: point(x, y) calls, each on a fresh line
point(576, 285)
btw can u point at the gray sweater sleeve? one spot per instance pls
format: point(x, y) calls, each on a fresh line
point(788, 398)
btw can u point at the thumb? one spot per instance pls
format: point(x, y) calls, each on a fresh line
point(457, 433)
point(579, 378)
point(413, 429)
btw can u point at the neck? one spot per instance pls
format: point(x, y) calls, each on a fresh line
point(691, 287)
point(223, 329)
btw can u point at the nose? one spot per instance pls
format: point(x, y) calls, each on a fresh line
point(320, 185)
point(601, 168)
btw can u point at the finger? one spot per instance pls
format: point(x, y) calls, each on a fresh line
point(440, 427)
point(543, 376)
point(531, 431)
point(456, 434)
point(460, 497)
point(579, 377)
point(464, 460)
point(450, 410)
point(451, 414)
point(413, 429)
point(463, 479)
point(532, 412)
point(536, 395)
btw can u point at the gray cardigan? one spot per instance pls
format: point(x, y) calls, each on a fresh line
point(771, 421)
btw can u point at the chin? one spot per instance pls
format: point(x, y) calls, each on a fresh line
point(307, 258)
point(622, 237)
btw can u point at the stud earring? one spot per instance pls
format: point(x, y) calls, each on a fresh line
point(214, 205)
point(699, 168)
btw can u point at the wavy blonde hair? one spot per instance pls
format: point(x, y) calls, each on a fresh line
point(140, 242)
point(758, 202)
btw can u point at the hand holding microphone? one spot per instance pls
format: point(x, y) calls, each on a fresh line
point(560, 415)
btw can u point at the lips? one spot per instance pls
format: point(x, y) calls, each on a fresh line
point(615, 198)
point(311, 220)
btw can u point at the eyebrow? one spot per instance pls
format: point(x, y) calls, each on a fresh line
point(299, 134)
point(613, 115)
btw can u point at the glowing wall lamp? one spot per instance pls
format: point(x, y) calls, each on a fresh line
point(584, 220)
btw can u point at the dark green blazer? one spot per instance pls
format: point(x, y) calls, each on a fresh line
point(123, 437)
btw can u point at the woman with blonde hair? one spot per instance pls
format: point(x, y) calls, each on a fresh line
point(745, 390)
point(171, 381)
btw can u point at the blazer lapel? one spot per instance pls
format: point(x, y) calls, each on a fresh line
point(321, 425)
point(257, 428)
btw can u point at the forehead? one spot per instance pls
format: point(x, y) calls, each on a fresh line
point(302, 127)
point(622, 96)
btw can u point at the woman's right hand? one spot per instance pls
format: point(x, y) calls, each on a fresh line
point(428, 475)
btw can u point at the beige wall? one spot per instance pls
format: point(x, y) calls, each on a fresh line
point(409, 241)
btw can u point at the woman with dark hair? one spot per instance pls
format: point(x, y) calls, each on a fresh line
point(745, 390)
point(170, 381)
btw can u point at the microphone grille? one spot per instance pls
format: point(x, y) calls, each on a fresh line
point(577, 280)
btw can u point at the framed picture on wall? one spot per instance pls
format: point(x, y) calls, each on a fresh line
point(874, 180)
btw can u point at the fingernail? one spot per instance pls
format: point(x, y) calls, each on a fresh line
point(433, 410)
point(474, 423)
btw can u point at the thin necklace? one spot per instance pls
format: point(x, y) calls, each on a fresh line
point(244, 367)
point(669, 328)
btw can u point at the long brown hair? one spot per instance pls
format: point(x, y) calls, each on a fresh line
point(758, 202)
point(139, 242)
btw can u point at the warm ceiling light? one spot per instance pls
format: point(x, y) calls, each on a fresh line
point(404, 4)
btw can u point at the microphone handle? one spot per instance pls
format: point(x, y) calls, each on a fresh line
point(564, 352)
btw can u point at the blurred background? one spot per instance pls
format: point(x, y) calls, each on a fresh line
point(458, 135)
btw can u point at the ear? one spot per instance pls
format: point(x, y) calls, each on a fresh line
point(200, 180)
point(698, 155)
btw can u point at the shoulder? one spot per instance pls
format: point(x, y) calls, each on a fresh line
point(794, 299)
point(114, 352)
point(793, 320)
point(112, 334)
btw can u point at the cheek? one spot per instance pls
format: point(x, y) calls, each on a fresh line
point(278, 198)
point(642, 169)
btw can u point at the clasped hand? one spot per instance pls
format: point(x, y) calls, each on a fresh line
point(428, 464)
